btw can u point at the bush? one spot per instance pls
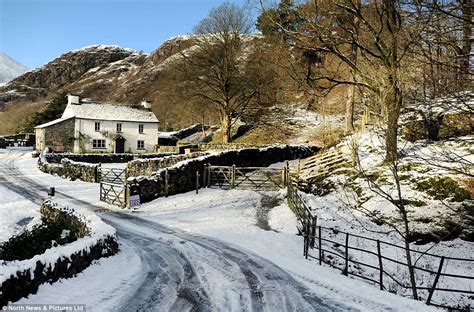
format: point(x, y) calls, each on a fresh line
point(443, 188)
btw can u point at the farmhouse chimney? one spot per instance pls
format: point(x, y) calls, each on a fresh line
point(146, 104)
point(73, 99)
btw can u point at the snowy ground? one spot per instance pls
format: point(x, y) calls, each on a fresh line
point(352, 206)
point(255, 223)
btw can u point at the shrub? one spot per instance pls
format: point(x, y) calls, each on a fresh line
point(443, 188)
point(57, 227)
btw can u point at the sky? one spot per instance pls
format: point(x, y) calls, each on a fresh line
point(35, 32)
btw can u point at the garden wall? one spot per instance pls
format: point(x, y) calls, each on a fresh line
point(146, 167)
point(55, 158)
point(21, 278)
point(182, 176)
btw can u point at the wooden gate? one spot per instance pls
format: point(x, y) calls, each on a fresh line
point(113, 186)
point(245, 177)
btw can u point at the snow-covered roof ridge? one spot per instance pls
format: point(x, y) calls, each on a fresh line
point(53, 122)
point(89, 109)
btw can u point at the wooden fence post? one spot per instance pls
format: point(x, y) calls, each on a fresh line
point(204, 177)
point(379, 254)
point(430, 295)
point(346, 265)
point(197, 182)
point(166, 182)
point(232, 183)
point(307, 241)
point(209, 171)
point(320, 246)
point(284, 174)
point(314, 220)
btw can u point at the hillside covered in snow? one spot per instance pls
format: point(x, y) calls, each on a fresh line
point(10, 68)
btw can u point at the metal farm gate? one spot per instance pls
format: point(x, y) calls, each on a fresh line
point(245, 177)
point(113, 186)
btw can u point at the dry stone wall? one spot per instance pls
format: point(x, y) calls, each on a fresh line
point(182, 177)
point(32, 273)
point(146, 167)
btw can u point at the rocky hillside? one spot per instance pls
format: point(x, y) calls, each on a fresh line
point(102, 72)
point(10, 68)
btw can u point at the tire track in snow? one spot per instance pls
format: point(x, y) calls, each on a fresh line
point(172, 281)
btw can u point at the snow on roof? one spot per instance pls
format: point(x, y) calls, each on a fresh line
point(89, 109)
point(56, 121)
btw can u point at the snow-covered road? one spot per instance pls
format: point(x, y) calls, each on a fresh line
point(181, 271)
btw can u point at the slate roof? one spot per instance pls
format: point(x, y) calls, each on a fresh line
point(56, 121)
point(88, 109)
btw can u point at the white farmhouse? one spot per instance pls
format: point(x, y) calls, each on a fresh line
point(89, 126)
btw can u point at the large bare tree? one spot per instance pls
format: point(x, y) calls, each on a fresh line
point(223, 68)
point(367, 43)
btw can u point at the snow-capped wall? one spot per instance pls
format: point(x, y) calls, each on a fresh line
point(182, 176)
point(20, 278)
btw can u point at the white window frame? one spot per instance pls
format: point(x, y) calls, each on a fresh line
point(141, 128)
point(142, 143)
point(97, 126)
point(119, 127)
point(99, 144)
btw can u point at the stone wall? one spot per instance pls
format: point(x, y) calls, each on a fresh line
point(80, 171)
point(100, 158)
point(53, 169)
point(60, 137)
point(229, 146)
point(146, 167)
point(182, 178)
point(30, 274)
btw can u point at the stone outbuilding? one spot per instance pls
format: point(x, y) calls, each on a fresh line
point(89, 126)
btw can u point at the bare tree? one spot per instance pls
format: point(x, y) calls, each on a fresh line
point(222, 68)
point(368, 42)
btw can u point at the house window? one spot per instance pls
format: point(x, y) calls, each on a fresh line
point(98, 143)
point(140, 145)
point(97, 126)
point(140, 128)
point(119, 127)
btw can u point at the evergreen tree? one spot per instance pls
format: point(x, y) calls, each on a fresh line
point(53, 110)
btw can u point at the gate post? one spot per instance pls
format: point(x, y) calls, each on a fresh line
point(284, 170)
point(197, 182)
point(204, 176)
point(209, 175)
point(232, 183)
point(166, 182)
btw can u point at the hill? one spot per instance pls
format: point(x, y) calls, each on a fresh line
point(102, 72)
point(10, 68)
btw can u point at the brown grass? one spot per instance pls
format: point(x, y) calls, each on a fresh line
point(14, 115)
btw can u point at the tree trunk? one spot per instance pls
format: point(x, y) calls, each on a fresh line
point(225, 127)
point(349, 118)
point(467, 8)
point(393, 104)
point(350, 95)
point(411, 270)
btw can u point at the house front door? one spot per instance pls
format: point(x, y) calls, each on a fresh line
point(119, 145)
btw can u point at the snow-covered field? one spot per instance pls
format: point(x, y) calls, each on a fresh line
point(260, 223)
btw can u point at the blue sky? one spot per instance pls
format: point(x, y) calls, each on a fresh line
point(34, 32)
